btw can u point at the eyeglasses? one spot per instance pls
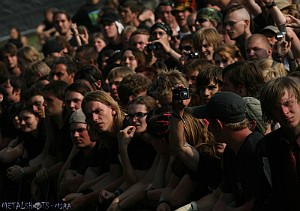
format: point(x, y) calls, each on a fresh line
point(231, 23)
point(137, 115)
point(186, 48)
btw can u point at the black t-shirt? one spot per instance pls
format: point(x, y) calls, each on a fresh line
point(240, 170)
point(208, 175)
point(141, 154)
point(80, 162)
point(105, 156)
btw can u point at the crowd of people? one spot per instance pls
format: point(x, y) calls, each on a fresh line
point(154, 105)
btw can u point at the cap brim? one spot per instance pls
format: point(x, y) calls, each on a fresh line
point(199, 112)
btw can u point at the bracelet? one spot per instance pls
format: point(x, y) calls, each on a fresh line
point(194, 206)
point(271, 5)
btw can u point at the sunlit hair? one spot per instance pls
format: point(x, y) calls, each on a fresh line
point(238, 125)
point(106, 99)
point(210, 35)
point(29, 54)
point(91, 74)
point(149, 102)
point(196, 65)
point(197, 134)
point(227, 51)
point(271, 69)
point(163, 83)
point(119, 72)
point(272, 93)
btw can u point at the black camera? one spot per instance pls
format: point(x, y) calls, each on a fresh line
point(152, 47)
point(192, 55)
point(181, 93)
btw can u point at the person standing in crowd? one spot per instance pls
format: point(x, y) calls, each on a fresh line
point(237, 23)
point(87, 15)
point(279, 151)
point(9, 55)
point(226, 113)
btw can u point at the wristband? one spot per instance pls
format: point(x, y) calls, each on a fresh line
point(194, 206)
point(163, 200)
point(271, 5)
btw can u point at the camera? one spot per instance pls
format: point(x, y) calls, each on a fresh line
point(152, 47)
point(192, 55)
point(181, 93)
point(279, 36)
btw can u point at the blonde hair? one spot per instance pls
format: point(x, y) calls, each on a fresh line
point(271, 69)
point(211, 35)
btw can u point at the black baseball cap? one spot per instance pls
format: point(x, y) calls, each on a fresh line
point(109, 17)
point(228, 107)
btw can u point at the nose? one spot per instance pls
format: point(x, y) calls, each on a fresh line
point(75, 134)
point(127, 61)
point(94, 117)
point(206, 92)
point(203, 49)
point(221, 65)
point(22, 122)
point(113, 87)
point(72, 105)
point(284, 110)
point(55, 78)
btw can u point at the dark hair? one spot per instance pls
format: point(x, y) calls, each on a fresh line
point(247, 73)
point(210, 74)
point(139, 55)
point(10, 49)
point(67, 14)
point(68, 62)
point(91, 74)
point(132, 85)
point(78, 87)
point(89, 51)
point(56, 88)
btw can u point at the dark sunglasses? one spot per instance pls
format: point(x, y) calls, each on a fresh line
point(186, 48)
point(137, 115)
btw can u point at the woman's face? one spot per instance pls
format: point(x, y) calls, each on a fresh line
point(207, 50)
point(129, 60)
point(223, 61)
point(73, 101)
point(99, 44)
point(137, 114)
point(29, 122)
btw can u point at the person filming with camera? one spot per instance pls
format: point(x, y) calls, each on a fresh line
point(159, 48)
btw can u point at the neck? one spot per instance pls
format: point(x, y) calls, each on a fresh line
point(237, 138)
point(116, 40)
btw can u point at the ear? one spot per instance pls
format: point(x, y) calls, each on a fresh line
point(113, 112)
point(252, 125)
point(98, 84)
point(247, 23)
point(131, 98)
point(242, 90)
point(72, 75)
point(270, 52)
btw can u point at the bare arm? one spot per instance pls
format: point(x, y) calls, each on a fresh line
point(10, 153)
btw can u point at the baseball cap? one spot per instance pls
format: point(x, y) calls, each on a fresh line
point(77, 117)
point(270, 28)
point(209, 14)
point(109, 17)
point(228, 107)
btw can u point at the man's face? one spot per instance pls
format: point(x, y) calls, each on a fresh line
point(127, 15)
point(181, 17)
point(139, 41)
point(287, 112)
point(101, 115)
point(113, 84)
point(110, 30)
point(229, 86)
point(62, 24)
point(206, 92)
point(73, 101)
point(159, 34)
point(60, 73)
point(12, 94)
point(11, 61)
point(164, 13)
point(80, 135)
point(234, 25)
point(257, 50)
point(53, 105)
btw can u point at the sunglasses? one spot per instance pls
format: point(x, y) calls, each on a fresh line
point(137, 115)
point(186, 48)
